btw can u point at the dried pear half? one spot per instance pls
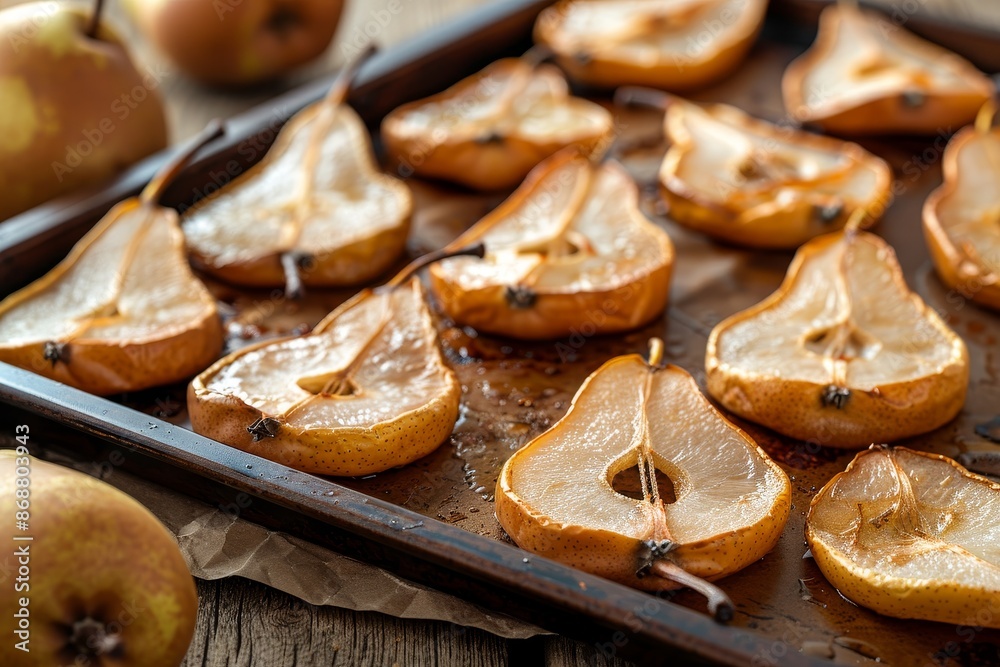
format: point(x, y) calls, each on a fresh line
point(568, 251)
point(315, 211)
point(555, 495)
point(749, 182)
point(843, 353)
point(867, 75)
point(668, 44)
point(490, 129)
point(123, 311)
point(962, 217)
point(911, 535)
point(365, 391)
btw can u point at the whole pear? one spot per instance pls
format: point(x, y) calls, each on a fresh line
point(104, 581)
point(73, 108)
point(237, 42)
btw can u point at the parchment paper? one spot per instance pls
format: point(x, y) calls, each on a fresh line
point(219, 544)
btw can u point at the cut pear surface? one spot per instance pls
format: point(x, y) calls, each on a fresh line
point(843, 354)
point(747, 181)
point(489, 130)
point(365, 391)
point(962, 217)
point(123, 311)
point(568, 250)
point(555, 495)
point(911, 535)
point(668, 44)
point(867, 75)
point(316, 209)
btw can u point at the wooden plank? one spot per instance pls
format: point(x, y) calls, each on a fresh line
point(243, 624)
point(563, 652)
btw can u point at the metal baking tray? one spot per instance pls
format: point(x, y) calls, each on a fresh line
point(433, 521)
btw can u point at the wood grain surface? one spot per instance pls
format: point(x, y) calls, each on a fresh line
point(244, 623)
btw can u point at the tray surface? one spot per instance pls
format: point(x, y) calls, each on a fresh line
point(513, 391)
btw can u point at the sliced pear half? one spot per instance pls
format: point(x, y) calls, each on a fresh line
point(568, 251)
point(489, 130)
point(555, 495)
point(962, 217)
point(749, 182)
point(867, 75)
point(669, 44)
point(365, 391)
point(315, 210)
point(843, 353)
point(123, 311)
point(911, 535)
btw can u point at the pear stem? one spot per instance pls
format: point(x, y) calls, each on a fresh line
point(655, 352)
point(154, 190)
point(854, 222)
point(95, 20)
point(537, 55)
point(986, 116)
point(477, 250)
point(627, 96)
point(345, 77)
point(719, 604)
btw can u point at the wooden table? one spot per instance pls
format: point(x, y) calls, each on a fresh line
point(244, 623)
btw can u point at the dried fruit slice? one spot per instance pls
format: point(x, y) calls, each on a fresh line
point(123, 311)
point(315, 210)
point(555, 495)
point(568, 251)
point(911, 535)
point(670, 44)
point(365, 391)
point(749, 182)
point(489, 130)
point(867, 75)
point(962, 217)
point(843, 353)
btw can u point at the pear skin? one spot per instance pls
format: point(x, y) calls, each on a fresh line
point(103, 566)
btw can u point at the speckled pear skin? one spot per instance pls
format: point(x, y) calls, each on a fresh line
point(932, 596)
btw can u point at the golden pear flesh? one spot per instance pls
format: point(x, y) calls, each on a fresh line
point(912, 535)
point(962, 217)
point(489, 130)
point(843, 354)
point(752, 183)
point(568, 251)
point(102, 581)
point(555, 495)
point(365, 391)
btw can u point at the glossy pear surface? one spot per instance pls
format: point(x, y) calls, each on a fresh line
point(555, 496)
point(912, 535)
point(489, 130)
point(668, 44)
point(867, 75)
point(122, 312)
point(73, 109)
point(843, 354)
point(749, 182)
point(962, 217)
point(367, 390)
point(317, 197)
point(568, 251)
